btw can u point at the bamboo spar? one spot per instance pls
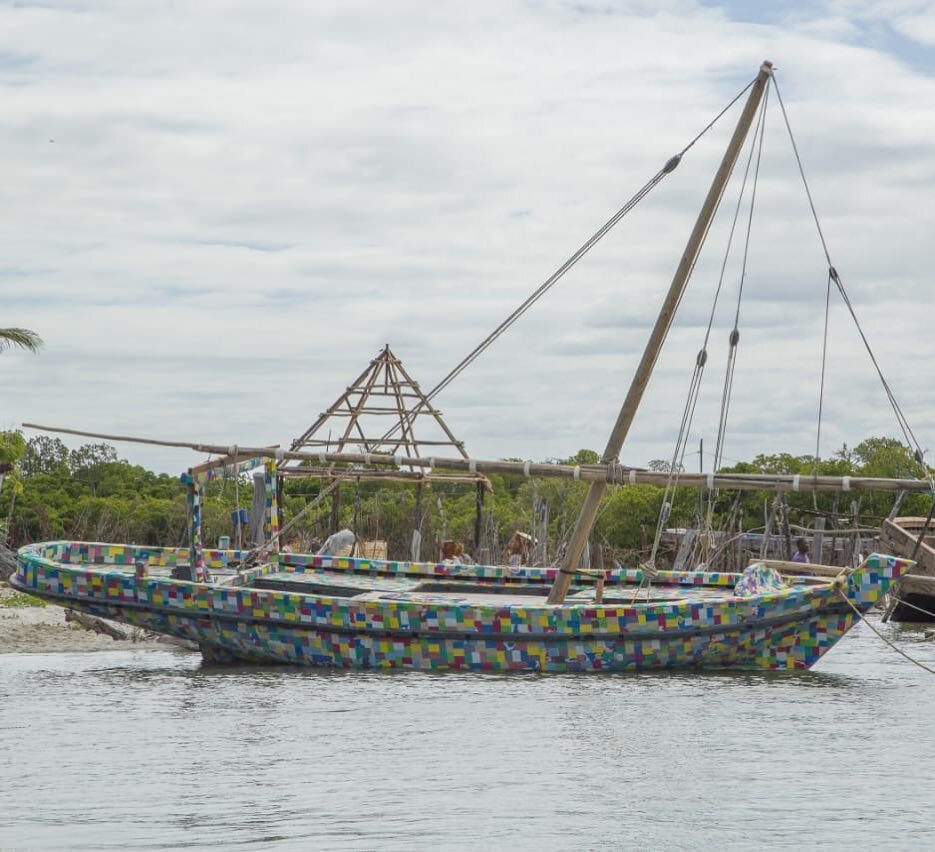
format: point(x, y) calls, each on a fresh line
point(592, 500)
point(614, 473)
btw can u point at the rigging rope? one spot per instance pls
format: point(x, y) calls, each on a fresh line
point(880, 636)
point(901, 419)
point(734, 338)
point(904, 602)
point(691, 402)
point(556, 276)
point(239, 537)
point(821, 385)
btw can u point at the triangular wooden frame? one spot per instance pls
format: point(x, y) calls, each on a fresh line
point(383, 390)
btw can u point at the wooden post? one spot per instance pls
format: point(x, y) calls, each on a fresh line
point(835, 506)
point(414, 555)
point(355, 550)
point(271, 526)
point(279, 500)
point(196, 499)
point(335, 510)
point(786, 532)
point(478, 514)
point(773, 510)
point(544, 532)
point(818, 541)
point(685, 550)
point(897, 504)
point(856, 546)
point(596, 490)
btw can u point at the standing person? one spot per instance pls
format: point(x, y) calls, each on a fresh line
point(801, 551)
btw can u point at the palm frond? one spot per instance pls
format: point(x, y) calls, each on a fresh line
point(21, 337)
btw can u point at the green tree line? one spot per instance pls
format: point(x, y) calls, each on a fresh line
point(89, 493)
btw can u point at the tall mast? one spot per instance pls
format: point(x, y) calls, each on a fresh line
point(592, 501)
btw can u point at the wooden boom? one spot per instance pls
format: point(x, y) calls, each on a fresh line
point(606, 473)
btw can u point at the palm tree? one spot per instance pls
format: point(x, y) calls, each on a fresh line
point(21, 337)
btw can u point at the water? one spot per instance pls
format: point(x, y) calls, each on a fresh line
point(154, 750)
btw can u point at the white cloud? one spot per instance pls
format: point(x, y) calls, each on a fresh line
point(914, 19)
point(242, 203)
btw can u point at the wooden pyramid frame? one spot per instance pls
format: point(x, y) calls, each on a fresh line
point(384, 390)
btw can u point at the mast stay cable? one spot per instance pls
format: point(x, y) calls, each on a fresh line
point(677, 463)
point(734, 338)
point(556, 276)
point(834, 276)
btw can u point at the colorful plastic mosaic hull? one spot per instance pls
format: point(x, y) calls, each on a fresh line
point(696, 619)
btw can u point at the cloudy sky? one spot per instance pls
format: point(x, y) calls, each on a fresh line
point(216, 213)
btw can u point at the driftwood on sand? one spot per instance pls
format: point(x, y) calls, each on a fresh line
point(7, 563)
point(95, 625)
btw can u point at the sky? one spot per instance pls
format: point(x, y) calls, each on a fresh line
point(217, 213)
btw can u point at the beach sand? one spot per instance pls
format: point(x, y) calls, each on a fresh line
point(38, 629)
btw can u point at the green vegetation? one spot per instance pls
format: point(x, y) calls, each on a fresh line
point(90, 494)
point(21, 338)
point(878, 457)
point(18, 600)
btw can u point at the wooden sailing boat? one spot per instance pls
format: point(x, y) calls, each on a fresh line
point(913, 597)
point(332, 611)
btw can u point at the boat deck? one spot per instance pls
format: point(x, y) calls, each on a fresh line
point(433, 591)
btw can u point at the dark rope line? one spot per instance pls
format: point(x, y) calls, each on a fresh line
point(691, 401)
point(701, 245)
point(761, 128)
point(725, 408)
point(694, 390)
point(702, 357)
point(731, 366)
point(670, 166)
point(901, 418)
point(821, 386)
point(798, 160)
point(908, 434)
point(730, 236)
point(548, 283)
point(757, 144)
point(678, 456)
point(716, 118)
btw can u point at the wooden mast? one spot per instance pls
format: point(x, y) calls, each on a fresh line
point(582, 530)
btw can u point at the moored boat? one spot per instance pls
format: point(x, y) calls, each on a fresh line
point(354, 613)
point(913, 597)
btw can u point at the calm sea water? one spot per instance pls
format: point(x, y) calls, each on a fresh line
point(154, 750)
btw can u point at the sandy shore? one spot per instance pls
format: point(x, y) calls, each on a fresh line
point(38, 629)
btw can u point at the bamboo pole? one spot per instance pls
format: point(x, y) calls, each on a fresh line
point(592, 500)
point(786, 531)
point(773, 511)
point(608, 474)
point(369, 474)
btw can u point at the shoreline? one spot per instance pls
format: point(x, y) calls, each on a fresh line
point(30, 628)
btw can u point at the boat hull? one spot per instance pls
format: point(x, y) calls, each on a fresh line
point(785, 629)
point(912, 599)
